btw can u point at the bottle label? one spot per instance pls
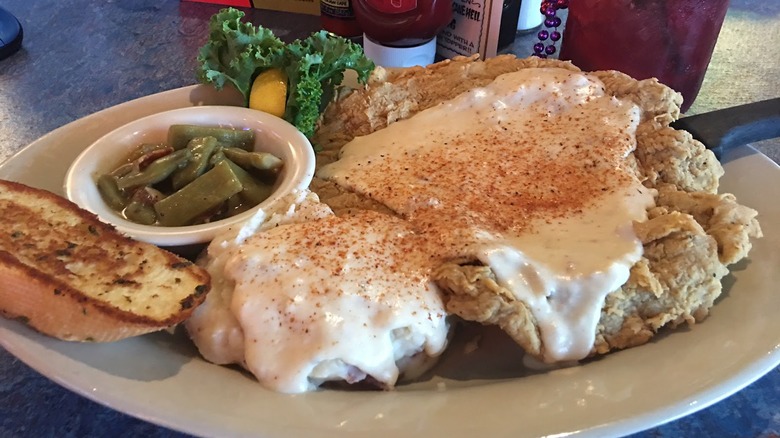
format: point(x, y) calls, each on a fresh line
point(474, 29)
point(392, 6)
point(310, 7)
point(337, 8)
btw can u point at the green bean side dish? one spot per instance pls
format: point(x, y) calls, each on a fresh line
point(201, 174)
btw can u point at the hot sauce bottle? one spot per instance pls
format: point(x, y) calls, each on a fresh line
point(338, 17)
point(401, 33)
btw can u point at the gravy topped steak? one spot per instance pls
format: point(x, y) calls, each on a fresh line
point(314, 298)
point(556, 204)
point(70, 276)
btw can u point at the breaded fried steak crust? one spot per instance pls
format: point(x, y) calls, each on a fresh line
point(688, 234)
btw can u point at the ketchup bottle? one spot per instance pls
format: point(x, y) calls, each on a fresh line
point(338, 17)
point(401, 33)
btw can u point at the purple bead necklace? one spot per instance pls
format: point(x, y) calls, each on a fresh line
point(552, 21)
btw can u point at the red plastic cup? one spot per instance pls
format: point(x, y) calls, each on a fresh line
point(671, 40)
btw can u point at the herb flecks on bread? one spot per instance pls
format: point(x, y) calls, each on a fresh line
point(71, 276)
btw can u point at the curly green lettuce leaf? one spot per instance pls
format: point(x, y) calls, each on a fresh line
point(237, 52)
point(315, 67)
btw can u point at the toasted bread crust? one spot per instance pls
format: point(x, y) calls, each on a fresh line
point(68, 275)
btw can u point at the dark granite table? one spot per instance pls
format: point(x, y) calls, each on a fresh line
point(81, 56)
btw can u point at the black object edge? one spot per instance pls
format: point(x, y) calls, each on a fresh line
point(735, 126)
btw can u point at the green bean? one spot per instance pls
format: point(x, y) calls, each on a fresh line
point(217, 156)
point(202, 148)
point(257, 160)
point(206, 193)
point(239, 208)
point(140, 213)
point(144, 160)
point(157, 171)
point(122, 170)
point(233, 204)
point(110, 192)
point(254, 191)
point(180, 135)
point(144, 149)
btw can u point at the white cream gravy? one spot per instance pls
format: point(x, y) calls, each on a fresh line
point(332, 298)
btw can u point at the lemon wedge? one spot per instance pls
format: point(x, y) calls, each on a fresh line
point(269, 92)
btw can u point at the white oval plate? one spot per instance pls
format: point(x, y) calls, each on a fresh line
point(160, 377)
